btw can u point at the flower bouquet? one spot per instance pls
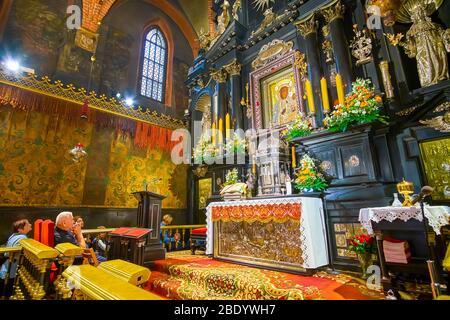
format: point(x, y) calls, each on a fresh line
point(309, 176)
point(301, 127)
point(205, 150)
point(233, 189)
point(364, 246)
point(361, 106)
point(236, 145)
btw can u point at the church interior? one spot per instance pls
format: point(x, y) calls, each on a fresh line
point(224, 150)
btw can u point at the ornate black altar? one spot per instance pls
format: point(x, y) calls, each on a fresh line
point(327, 39)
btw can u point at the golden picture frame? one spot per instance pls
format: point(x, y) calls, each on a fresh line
point(276, 93)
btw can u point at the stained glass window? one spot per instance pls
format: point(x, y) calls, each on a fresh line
point(154, 65)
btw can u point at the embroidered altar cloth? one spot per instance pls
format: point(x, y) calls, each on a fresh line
point(283, 233)
point(438, 216)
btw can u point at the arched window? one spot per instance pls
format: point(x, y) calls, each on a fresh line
point(154, 65)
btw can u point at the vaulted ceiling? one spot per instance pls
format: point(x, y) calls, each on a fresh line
point(190, 15)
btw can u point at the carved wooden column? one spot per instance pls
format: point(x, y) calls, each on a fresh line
point(234, 70)
point(334, 16)
point(308, 30)
point(220, 76)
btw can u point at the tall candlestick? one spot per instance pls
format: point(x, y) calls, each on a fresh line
point(220, 131)
point(340, 89)
point(309, 95)
point(294, 162)
point(214, 133)
point(325, 101)
point(254, 166)
point(227, 126)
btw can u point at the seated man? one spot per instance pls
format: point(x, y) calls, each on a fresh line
point(68, 231)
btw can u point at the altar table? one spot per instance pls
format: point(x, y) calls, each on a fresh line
point(287, 234)
point(438, 216)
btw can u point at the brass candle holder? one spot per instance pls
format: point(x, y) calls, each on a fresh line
point(406, 188)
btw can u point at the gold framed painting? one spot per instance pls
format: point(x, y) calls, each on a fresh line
point(280, 105)
point(276, 93)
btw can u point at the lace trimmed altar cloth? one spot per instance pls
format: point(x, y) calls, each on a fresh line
point(437, 216)
point(283, 233)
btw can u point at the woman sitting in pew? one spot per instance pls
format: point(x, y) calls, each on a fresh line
point(20, 230)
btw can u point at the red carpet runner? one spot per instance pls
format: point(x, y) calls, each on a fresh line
point(185, 277)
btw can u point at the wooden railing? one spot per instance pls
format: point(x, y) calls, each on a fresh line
point(185, 234)
point(13, 255)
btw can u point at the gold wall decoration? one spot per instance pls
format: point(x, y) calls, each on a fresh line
point(234, 68)
point(327, 47)
point(435, 157)
point(269, 19)
point(307, 26)
point(262, 4)
point(361, 46)
point(334, 11)
point(78, 96)
point(271, 51)
point(300, 64)
point(220, 75)
point(440, 123)
point(407, 111)
point(86, 40)
point(387, 82)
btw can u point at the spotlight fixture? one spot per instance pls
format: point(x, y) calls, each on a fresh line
point(12, 65)
point(118, 95)
point(129, 102)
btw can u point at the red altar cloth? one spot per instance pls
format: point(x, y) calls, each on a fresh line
point(257, 212)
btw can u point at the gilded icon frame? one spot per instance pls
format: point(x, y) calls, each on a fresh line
point(278, 71)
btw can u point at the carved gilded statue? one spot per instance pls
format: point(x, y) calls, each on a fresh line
point(236, 9)
point(224, 19)
point(424, 41)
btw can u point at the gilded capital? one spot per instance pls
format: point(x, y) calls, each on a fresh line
point(233, 69)
point(333, 12)
point(219, 75)
point(307, 26)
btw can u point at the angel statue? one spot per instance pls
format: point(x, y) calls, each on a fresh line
point(224, 19)
point(428, 42)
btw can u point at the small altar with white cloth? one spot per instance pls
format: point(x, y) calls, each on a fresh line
point(438, 216)
point(286, 234)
